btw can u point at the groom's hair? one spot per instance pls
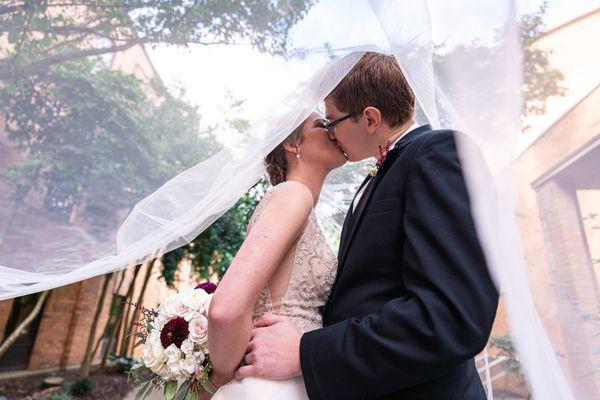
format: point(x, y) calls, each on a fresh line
point(376, 81)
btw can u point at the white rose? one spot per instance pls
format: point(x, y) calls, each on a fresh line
point(170, 299)
point(175, 308)
point(162, 308)
point(187, 346)
point(174, 361)
point(195, 299)
point(189, 365)
point(160, 320)
point(200, 357)
point(207, 305)
point(198, 328)
point(154, 357)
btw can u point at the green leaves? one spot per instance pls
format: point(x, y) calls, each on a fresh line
point(94, 141)
point(136, 366)
point(144, 391)
point(142, 375)
point(170, 390)
point(50, 33)
point(506, 348)
point(541, 80)
point(183, 391)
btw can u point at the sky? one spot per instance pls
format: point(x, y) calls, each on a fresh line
point(210, 74)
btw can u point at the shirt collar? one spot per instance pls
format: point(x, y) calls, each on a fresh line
point(410, 128)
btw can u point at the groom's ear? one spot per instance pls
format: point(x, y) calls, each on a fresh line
point(372, 117)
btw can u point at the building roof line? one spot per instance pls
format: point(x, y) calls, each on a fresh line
point(558, 120)
point(568, 23)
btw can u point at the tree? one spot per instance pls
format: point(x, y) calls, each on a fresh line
point(541, 80)
point(46, 33)
point(95, 143)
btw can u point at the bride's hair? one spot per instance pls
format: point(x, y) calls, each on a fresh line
point(276, 163)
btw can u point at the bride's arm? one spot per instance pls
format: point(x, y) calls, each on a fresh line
point(230, 313)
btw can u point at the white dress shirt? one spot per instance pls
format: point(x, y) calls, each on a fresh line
point(362, 190)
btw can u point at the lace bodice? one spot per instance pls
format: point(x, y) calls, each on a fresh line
point(304, 277)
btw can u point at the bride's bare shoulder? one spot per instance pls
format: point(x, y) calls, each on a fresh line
point(288, 199)
point(294, 189)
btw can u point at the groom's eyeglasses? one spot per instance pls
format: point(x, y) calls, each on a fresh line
point(329, 125)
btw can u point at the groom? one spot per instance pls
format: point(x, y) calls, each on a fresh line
point(413, 301)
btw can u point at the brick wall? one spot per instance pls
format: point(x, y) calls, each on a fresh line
point(572, 274)
point(5, 307)
point(54, 328)
point(81, 320)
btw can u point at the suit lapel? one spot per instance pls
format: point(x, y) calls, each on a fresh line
point(350, 226)
point(349, 216)
point(361, 207)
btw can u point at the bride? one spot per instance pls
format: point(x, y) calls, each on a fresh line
point(284, 266)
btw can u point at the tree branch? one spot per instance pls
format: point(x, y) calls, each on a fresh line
point(21, 329)
point(11, 9)
point(24, 70)
point(23, 36)
point(75, 39)
point(9, 72)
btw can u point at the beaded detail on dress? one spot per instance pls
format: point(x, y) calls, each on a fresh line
point(313, 272)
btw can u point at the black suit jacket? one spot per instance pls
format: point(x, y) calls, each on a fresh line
point(413, 301)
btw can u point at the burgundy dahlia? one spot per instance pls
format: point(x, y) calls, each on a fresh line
point(174, 331)
point(208, 287)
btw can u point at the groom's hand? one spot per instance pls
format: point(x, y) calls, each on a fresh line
point(273, 351)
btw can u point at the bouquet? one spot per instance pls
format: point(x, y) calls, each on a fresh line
point(175, 340)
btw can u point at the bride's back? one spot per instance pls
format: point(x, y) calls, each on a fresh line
point(302, 281)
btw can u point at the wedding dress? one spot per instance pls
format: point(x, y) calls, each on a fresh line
point(298, 289)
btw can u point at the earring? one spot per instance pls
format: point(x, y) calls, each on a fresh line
point(298, 153)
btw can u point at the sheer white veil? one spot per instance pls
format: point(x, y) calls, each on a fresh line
point(473, 87)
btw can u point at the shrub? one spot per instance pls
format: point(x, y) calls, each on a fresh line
point(62, 396)
point(81, 387)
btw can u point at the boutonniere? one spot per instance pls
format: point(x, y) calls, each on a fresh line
point(383, 153)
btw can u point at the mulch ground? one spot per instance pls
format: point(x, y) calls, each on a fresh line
point(112, 385)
